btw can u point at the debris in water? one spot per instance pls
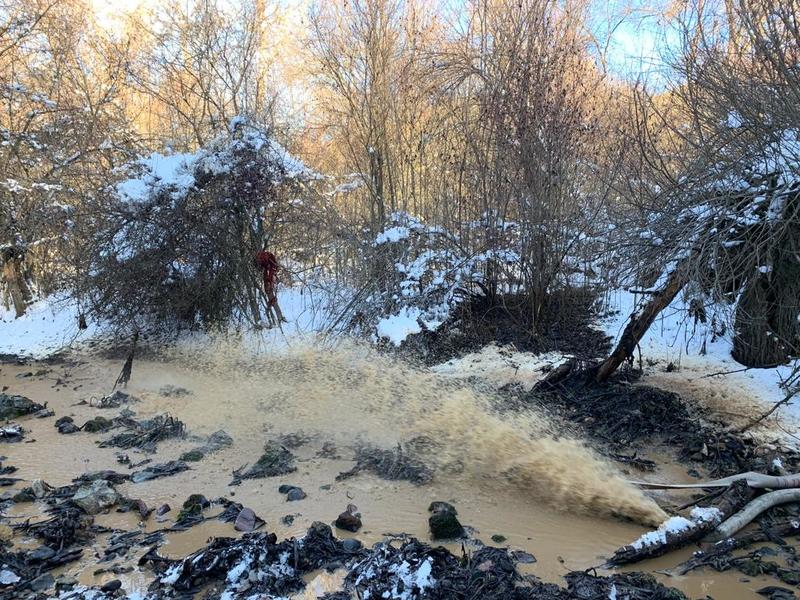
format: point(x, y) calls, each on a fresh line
point(192, 511)
point(114, 400)
point(145, 434)
point(11, 433)
point(276, 460)
point(97, 425)
point(392, 465)
point(13, 406)
point(174, 391)
point(256, 564)
point(159, 470)
point(216, 441)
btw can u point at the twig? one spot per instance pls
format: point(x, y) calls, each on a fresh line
point(775, 407)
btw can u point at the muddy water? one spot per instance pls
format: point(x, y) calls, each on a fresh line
point(552, 497)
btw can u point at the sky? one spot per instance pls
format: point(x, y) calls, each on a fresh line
point(637, 29)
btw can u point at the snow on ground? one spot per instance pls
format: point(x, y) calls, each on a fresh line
point(51, 325)
point(48, 326)
point(502, 365)
point(714, 378)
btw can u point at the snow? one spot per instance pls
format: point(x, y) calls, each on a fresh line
point(502, 365)
point(675, 525)
point(702, 358)
point(48, 326)
point(51, 325)
point(175, 171)
point(393, 235)
point(396, 328)
point(8, 577)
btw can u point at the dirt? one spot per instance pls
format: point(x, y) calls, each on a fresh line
point(340, 402)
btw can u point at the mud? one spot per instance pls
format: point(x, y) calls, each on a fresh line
point(506, 474)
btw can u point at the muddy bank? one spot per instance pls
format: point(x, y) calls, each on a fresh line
point(323, 408)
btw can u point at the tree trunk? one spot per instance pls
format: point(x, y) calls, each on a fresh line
point(732, 500)
point(14, 278)
point(640, 323)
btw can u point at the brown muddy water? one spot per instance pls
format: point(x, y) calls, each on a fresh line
point(518, 475)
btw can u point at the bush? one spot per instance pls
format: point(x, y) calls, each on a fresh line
point(175, 242)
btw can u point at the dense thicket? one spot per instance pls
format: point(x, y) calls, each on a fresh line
point(485, 153)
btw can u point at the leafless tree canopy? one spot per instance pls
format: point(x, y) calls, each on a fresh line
point(481, 152)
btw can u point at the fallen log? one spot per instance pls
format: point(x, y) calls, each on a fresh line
point(642, 320)
point(724, 548)
point(753, 479)
point(678, 532)
point(741, 519)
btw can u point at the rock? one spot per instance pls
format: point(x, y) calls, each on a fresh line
point(216, 441)
point(44, 413)
point(287, 520)
point(40, 489)
point(444, 523)
point(111, 586)
point(246, 521)
point(97, 425)
point(439, 506)
point(498, 538)
point(42, 583)
point(192, 455)
point(66, 425)
point(523, 557)
point(284, 488)
point(349, 520)
point(351, 545)
point(295, 494)
point(95, 497)
point(41, 554)
point(66, 582)
point(193, 509)
point(163, 509)
point(774, 592)
point(13, 406)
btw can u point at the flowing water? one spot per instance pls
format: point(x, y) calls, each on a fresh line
point(511, 473)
